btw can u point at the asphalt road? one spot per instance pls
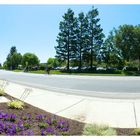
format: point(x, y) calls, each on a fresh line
point(101, 86)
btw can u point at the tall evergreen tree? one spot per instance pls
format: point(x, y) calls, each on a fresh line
point(95, 34)
point(66, 39)
point(82, 37)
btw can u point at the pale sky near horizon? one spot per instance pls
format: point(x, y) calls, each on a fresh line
point(33, 28)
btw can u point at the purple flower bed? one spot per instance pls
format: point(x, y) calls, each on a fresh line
point(31, 124)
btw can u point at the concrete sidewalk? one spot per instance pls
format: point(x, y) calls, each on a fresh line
point(3, 99)
point(113, 112)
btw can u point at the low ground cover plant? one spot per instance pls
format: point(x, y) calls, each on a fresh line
point(2, 92)
point(16, 104)
point(27, 124)
point(98, 130)
point(136, 131)
point(32, 121)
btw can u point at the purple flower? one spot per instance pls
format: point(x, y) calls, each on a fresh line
point(10, 128)
point(26, 124)
point(60, 124)
point(26, 117)
point(47, 131)
point(39, 117)
point(29, 132)
point(42, 132)
point(12, 117)
point(11, 124)
point(20, 126)
point(1, 116)
point(1, 127)
point(63, 126)
point(29, 116)
point(64, 129)
point(49, 121)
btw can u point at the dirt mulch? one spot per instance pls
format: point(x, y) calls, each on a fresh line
point(76, 128)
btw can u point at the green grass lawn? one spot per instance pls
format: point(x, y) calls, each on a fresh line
point(38, 72)
point(17, 70)
point(73, 73)
point(118, 73)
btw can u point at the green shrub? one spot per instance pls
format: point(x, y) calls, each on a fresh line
point(2, 92)
point(136, 131)
point(16, 104)
point(98, 130)
point(42, 125)
point(27, 125)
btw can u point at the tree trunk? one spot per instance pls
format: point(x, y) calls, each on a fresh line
point(139, 64)
point(91, 63)
point(80, 64)
point(91, 58)
point(68, 56)
point(68, 59)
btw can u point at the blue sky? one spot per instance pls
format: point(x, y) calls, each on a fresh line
point(33, 28)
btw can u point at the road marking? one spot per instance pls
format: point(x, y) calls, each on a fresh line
point(135, 114)
point(96, 77)
point(114, 78)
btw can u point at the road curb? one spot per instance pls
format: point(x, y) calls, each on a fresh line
point(113, 112)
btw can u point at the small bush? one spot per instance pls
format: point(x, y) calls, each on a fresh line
point(136, 131)
point(42, 66)
point(2, 92)
point(42, 125)
point(16, 104)
point(98, 130)
point(27, 125)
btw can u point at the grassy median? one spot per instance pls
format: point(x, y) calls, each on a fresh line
point(95, 73)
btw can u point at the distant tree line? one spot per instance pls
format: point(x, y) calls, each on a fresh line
point(122, 46)
point(81, 42)
point(15, 60)
point(27, 61)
